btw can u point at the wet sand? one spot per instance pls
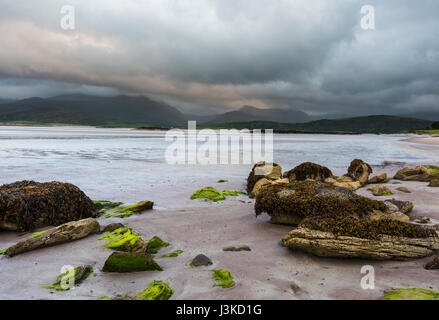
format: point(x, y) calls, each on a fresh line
point(424, 140)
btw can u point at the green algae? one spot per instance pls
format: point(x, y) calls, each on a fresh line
point(123, 239)
point(104, 204)
point(433, 170)
point(155, 244)
point(411, 294)
point(223, 278)
point(386, 194)
point(116, 210)
point(105, 298)
point(222, 181)
point(157, 290)
point(173, 254)
point(3, 251)
point(77, 274)
point(122, 262)
point(39, 234)
point(213, 194)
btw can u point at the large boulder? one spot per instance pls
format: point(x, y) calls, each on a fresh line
point(385, 247)
point(26, 205)
point(290, 204)
point(308, 170)
point(64, 233)
point(359, 171)
point(420, 173)
point(263, 170)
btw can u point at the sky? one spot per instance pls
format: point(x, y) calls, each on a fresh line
point(211, 56)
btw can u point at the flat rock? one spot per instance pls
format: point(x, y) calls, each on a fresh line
point(239, 248)
point(326, 244)
point(379, 178)
point(403, 189)
point(67, 232)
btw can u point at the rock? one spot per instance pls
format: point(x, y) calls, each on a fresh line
point(157, 290)
point(403, 189)
point(125, 239)
point(433, 264)
point(210, 193)
point(434, 183)
point(379, 178)
point(421, 220)
point(122, 262)
point(359, 171)
point(265, 182)
point(353, 185)
point(292, 203)
point(308, 170)
point(223, 278)
point(28, 205)
point(111, 227)
point(112, 211)
point(411, 294)
point(263, 170)
point(77, 274)
point(295, 287)
point(403, 206)
point(201, 260)
point(64, 233)
point(380, 190)
point(235, 249)
point(327, 244)
point(419, 173)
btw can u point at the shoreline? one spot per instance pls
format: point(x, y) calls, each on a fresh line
point(426, 140)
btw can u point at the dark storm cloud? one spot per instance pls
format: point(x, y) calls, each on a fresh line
point(206, 54)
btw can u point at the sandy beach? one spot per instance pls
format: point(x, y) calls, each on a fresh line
point(200, 227)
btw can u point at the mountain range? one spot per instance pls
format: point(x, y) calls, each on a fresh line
point(141, 111)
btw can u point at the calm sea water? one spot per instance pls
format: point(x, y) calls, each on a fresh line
point(129, 165)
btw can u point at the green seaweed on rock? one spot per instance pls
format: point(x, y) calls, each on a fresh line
point(122, 262)
point(173, 254)
point(213, 194)
point(39, 234)
point(411, 294)
point(123, 239)
point(116, 210)
point(157, 290)
point(223, 278)
point(76, 275)
point(155, 244)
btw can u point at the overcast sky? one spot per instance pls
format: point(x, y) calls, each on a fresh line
point(211, 55)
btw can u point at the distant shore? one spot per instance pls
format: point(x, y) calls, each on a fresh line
point(424, 140)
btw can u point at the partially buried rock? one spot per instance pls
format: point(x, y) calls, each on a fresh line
point(380, 190)
point(27, 205)
point(64, 233)
point(420, 173)
point(263, 170)
point(379, 178)
point(236, 249)
point(434, 183)
point(112, 227)
point(110, 210)
point(433, 265)
point(403, 189)
point(201, 260)
point(130, 262)
point(308, 170)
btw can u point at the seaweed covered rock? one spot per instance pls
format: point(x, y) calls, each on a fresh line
point(122, 262)
point(71, 278)
point(262, 183)
point(349, 238)
point(411, 294)
point(64, 233)
point(213, 194)
point(420, 173)
point(402, 206)
point(124, 239)
point(379, 178)
point(292, 203)
point(263, 170)
point(157, 290)
point(116, 210)
point(380, 190)
point(26, 205)
point(308, 170)
point(223, 278)
point(359, 171)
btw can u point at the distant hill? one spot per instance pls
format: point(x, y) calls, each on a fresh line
point(365, 124)
point(91, 110)
point(249, 113)
point(426, 115)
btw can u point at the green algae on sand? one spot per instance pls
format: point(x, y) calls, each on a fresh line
point(411, 294)
point(213, 194)
point(157, 290)
point(223, 278)
point(76, 275)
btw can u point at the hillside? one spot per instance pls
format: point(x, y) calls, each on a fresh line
point(91, 110)
point(366, 124)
